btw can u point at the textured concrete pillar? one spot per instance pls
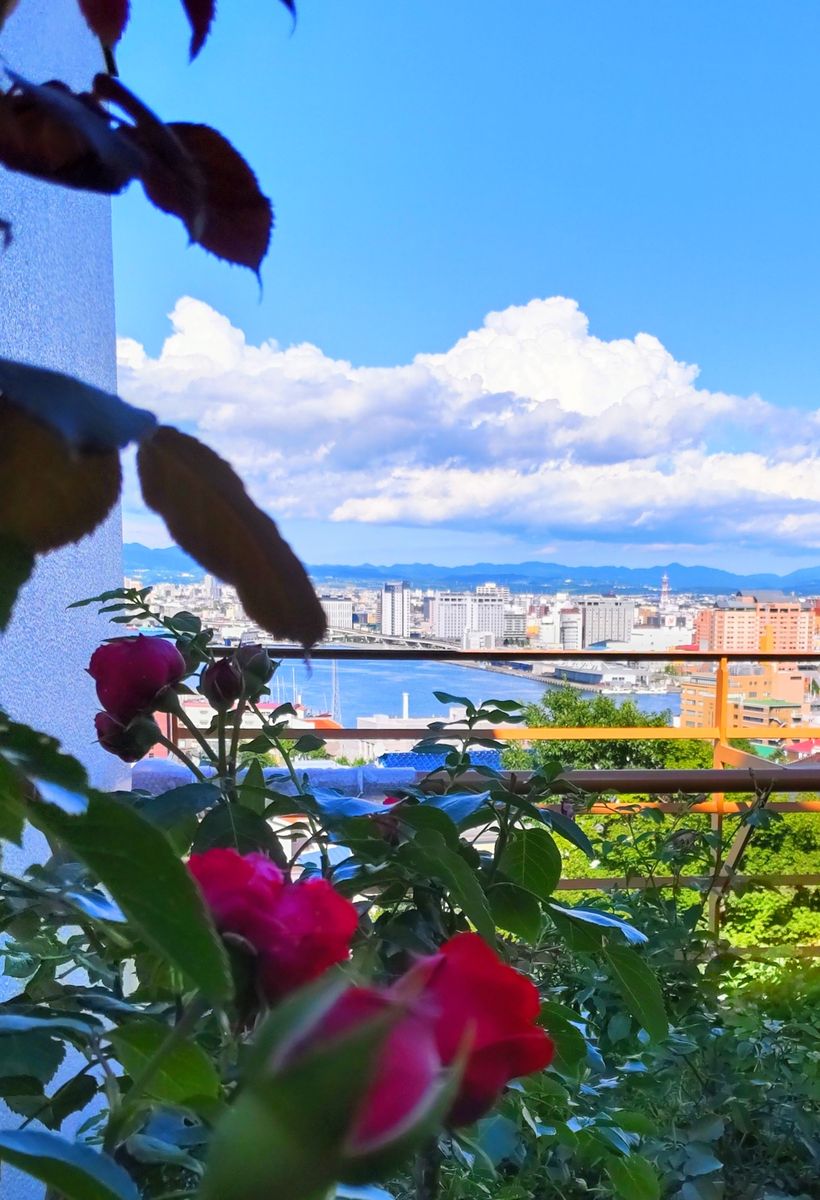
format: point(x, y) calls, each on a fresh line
point(57, 310)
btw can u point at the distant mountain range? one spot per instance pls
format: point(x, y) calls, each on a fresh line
point(172, 565)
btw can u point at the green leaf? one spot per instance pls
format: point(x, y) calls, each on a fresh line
point(33, 1053)
point(516, 911)
point(308, 743)
point(167, 809)
point(458, 806)
point(73, 1170)
point(56, 1026)
point(186, 1070)
point(633, 1178)
point(571, 831)
point(236, 827)
point(532, 860)
point(570, 1043)
point(16, 565)
point(36, 753)
point(12, 817)
point(431, 855)
point(449, 698)
point(137, 864)
point(639, 988)
point(425, 816)
point(85, 416)
point(252, 789)
point(70, 1098)
point(604, 921)
point(346, 1191)
point(700, 1160)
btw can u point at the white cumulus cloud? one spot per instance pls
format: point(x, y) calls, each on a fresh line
point(529, 424)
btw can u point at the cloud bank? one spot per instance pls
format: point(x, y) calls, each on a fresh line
point(529, 425)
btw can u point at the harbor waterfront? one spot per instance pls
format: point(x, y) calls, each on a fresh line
point(366, 688)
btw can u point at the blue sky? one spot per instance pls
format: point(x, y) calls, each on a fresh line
point(431, 163)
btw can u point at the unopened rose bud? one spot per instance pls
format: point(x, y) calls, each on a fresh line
point(256, 667)
point(129, 742)
point(134, 675)
point(221, 683)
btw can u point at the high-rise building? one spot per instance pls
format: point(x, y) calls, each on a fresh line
point(606, 619)
point(485, 613)
point(448, 615)
point(338, 610)
point(395, 609)
point(571, 624)
point(515, 624)
point(761, 694)
point(739, 623)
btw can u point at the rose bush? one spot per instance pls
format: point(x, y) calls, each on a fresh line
point(345, 984)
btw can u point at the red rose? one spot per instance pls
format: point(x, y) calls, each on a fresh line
point(297, 930)
point(408, 1071)
point(129, 742)
point(221, 683)
point(133, 674)
point(476, 1001)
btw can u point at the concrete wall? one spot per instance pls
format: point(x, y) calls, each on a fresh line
point(57, 310)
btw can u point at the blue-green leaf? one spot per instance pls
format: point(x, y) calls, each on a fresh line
point(73, 1170)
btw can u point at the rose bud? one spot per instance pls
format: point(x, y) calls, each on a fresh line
point(257, 668)
point(408, 1077)
point(221, 683)
point(133, 675)
point(297, 930)
point(129, 742)
point(480, 1005)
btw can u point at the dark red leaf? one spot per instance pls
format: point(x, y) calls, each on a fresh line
point(200, 14)
point(236, 219)
point(106, 19)
point(209, 513)
point(194, 172)
point(50, 132)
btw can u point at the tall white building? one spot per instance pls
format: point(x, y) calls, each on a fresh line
point(338, 610)
point(485, 612)
point(571, 629)
point(395, 609)
point(449, 615)
point(606, 619)
point(515, 623)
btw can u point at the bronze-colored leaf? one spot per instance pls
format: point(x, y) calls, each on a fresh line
point(194, 172)
point(51, 495)
point(200, 14)
point(48, 131)
point(106, 19)
point(209, 513)
point(16, 565)
point(87, 417)
point(236, 219)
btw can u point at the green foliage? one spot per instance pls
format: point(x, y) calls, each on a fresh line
point(565, 707)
